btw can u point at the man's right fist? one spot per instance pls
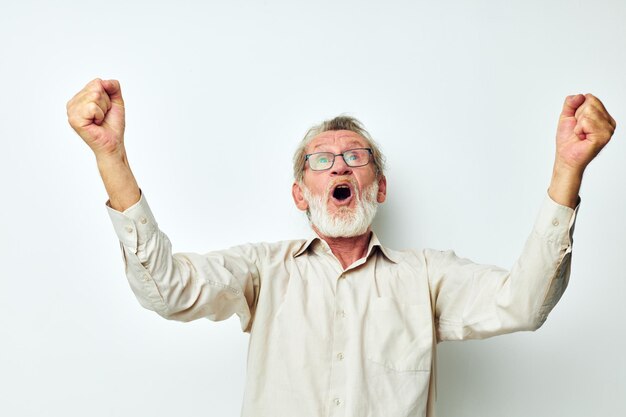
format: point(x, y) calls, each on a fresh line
point(96, 113)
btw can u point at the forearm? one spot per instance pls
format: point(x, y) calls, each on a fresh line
point(565, 185)
point(184, 286)
point(475, 301)
point(118, 179)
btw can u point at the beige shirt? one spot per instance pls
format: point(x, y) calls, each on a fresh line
point(358, 342)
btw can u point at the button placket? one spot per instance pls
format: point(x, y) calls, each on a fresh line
point(338, 362)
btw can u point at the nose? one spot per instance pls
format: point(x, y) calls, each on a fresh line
point(340, 167)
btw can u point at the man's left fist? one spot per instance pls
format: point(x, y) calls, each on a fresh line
point(585, 127)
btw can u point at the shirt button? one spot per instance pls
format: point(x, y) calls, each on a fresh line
point(145, 277)
point(340, 356)
point(555, 222)
point(143, 220)
point(342, 313)
point(129, 229)
point(337, 401)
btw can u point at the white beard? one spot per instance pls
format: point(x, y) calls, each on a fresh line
point(346, 222)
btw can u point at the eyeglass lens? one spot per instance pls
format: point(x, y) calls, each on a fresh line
point(324, 160)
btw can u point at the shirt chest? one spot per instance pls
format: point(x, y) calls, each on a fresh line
point(378, 309)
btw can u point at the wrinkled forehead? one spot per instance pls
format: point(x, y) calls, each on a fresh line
point(336, 141)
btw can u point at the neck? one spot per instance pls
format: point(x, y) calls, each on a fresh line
point(348, 250)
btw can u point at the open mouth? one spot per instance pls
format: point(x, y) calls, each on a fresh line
point(342, 192)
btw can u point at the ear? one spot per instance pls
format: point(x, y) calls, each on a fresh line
point(298, 197)
point(382, 189)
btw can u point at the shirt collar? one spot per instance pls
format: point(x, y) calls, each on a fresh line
point(374, 242)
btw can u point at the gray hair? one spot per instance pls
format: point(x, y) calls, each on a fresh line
point(341, 122)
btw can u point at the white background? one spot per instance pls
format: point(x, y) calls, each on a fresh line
point(462, 96)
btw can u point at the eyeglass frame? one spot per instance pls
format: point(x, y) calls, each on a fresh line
point(335, 155)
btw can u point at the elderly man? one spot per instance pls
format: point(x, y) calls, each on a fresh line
point(339, 324)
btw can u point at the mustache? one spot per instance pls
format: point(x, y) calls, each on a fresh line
point(342, 180)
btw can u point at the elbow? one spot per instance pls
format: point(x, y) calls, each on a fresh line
point(538, 322)
point(532, 323)
point(174, 316)
point(163, 309)
point(517, 323)
point(175, 313)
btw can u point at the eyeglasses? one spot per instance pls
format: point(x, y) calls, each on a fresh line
point(321, 161)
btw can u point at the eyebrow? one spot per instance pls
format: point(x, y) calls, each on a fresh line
point(354, 142)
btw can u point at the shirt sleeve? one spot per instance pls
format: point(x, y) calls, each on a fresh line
point(184, 286)
point(475, 301)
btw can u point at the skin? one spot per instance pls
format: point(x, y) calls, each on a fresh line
point(97, 114)
point(346, 250)
point(584, 128)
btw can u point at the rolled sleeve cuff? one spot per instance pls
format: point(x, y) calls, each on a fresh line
point(135, 225)
point(555, 222)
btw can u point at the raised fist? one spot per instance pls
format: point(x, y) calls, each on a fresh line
point(585, 127)
point(96, 113)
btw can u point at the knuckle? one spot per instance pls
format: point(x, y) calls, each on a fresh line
point(594, 110)
point(94, 86)
point(92, 107)
point(586, 123)
point(73, 121)
point(95, 95)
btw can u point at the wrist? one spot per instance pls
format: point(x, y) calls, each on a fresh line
point(111, 159)
point(118, 179)
point(565, 184)
point(563, 169)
